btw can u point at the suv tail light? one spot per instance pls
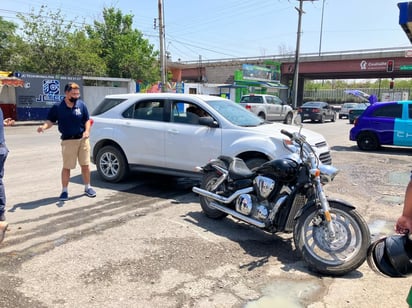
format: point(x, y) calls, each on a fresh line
point(248, 107)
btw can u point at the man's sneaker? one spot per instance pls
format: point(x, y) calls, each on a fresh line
point(90, 192)
point(64, 196)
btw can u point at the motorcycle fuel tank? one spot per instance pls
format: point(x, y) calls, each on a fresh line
point(283, 169)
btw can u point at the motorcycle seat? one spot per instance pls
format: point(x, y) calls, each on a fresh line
point(238, 170)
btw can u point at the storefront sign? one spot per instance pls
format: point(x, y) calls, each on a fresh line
point(366, 65)
point(406, 67)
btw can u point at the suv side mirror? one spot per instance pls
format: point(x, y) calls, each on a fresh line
point(208, 121)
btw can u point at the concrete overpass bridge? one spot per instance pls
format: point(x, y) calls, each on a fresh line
point(352, 64)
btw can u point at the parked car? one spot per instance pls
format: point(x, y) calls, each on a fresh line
point(268, 107)
point(383, 123)
point(337, 108)
point(344, 111)
point(154, 132)
point(357, 111)
point(317, 111)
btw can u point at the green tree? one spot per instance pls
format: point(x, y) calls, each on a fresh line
point(82, 56)
point(8, 42)
point(52, 45)
point(46, 37)
point(126, 53)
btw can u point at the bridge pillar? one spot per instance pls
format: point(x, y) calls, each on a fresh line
point(287, 80)
point(301, 87)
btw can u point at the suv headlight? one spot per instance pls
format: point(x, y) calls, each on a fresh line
point(291, 146)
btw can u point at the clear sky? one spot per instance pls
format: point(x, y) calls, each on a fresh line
point(217, 29)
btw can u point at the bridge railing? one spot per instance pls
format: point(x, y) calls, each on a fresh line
point(289, 56)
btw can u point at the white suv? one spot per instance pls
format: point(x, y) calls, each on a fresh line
point(173, 133)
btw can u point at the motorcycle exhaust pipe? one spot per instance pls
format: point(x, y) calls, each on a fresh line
point(221, 199)
point(235, 214)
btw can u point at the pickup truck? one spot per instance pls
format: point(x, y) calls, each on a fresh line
point(268, 107)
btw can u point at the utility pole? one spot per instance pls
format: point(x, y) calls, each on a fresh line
point(321, 27)
point(296, 72)
point(163, 70)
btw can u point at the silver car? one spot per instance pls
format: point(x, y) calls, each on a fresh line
point(344, 111)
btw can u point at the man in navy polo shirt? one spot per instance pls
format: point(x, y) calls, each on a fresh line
point(73, 121)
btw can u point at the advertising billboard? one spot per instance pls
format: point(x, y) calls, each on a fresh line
point(39, 93)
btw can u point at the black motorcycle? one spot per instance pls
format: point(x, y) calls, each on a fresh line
point(286, 195)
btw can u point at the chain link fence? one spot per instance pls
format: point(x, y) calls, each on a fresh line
point(338, 96)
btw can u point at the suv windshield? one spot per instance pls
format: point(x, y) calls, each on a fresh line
point(236, 114)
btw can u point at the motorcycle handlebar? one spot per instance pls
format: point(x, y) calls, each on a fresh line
point(297, 137)
point(285, 132)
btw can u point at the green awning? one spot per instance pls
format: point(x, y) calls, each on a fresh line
point(264, 84)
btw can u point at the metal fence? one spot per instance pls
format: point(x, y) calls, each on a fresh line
point(337, 96)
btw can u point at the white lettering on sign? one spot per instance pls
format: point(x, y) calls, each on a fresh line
point(372, 66)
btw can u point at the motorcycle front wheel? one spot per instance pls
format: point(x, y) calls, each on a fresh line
point(208, 180)
point(336, 256)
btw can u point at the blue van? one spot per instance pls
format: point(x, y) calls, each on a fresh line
point(383, 123)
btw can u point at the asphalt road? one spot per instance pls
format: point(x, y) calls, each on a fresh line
point(145, 242)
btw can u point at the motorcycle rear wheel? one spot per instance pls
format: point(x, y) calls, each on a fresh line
point(338, 256)
point(208, 180)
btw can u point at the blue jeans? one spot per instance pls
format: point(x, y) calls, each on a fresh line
point(3, 155)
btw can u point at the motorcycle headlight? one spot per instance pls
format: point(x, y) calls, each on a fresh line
point(327, 173)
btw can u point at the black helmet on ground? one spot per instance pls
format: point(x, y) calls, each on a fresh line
point(391, 256)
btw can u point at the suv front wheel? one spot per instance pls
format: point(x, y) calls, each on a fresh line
point(111, 164)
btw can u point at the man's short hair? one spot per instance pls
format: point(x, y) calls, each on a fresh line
point(70, 86)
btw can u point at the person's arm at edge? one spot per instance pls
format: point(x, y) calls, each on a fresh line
point(46, 125)
point(87, 126)
point(404, 223)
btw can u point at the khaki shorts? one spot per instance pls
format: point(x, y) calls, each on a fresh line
point(74, 150)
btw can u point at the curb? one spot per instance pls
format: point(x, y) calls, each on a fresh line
point(27, 123)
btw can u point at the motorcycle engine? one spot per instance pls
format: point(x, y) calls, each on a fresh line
point(256, 206)
point(248, 205)
point(263, 186)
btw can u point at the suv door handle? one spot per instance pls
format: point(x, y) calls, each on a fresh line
point(173, 131)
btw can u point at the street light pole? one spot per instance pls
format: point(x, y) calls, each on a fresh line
point(321, 27)
point(296, 72)
point(162, 46)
